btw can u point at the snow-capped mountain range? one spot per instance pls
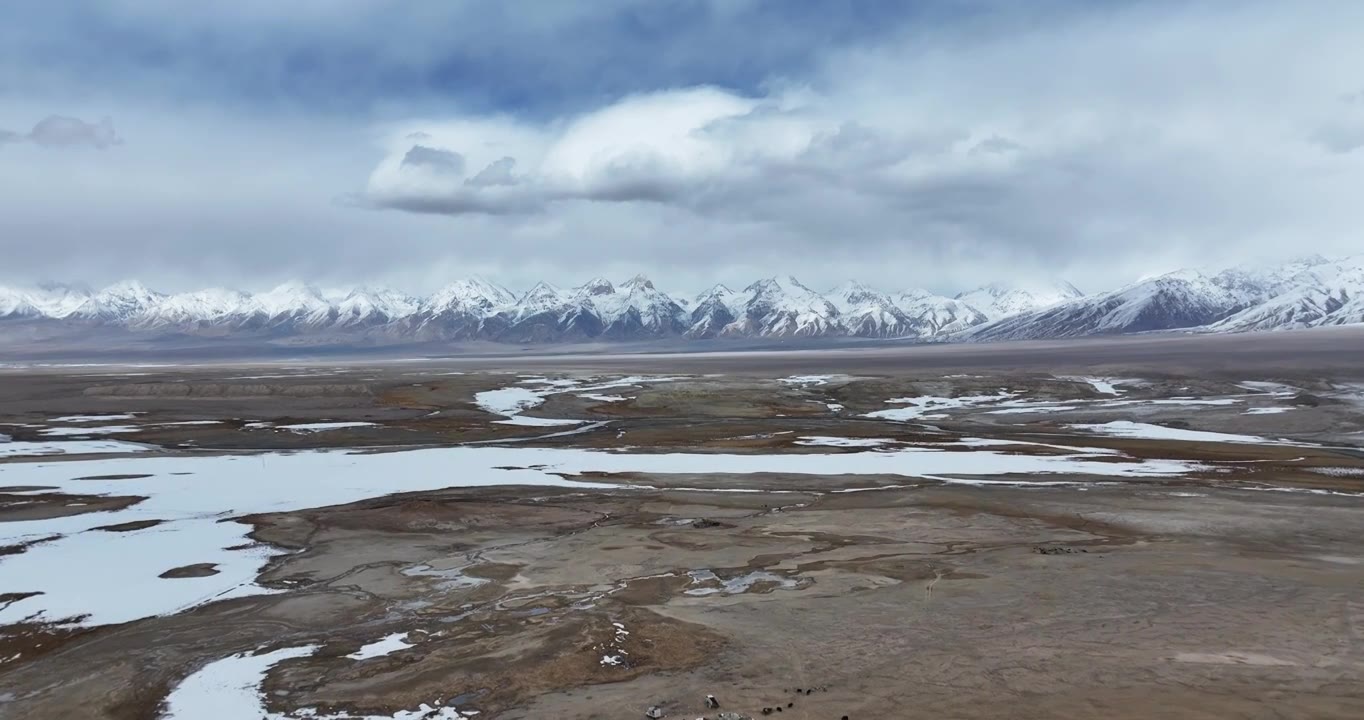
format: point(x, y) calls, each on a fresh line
point(1305, 293)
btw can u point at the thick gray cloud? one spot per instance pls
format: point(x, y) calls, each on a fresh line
point(498, 173)
point(1340, 138)
point(421, 156)
point(996, 144)
point(62, 131)
point(943, 157)
point(1345, 132)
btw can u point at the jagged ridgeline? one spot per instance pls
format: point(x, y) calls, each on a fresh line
point(1305, 293)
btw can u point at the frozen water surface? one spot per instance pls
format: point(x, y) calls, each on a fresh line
point(94, 418)
point(735, 585)
point(510, 402)
point(1103, 386)
point(93, 430)
point(229, 689)
point(823, 441)
point(919, 407)
point(323, 426)
point(1028, 409)
point(32, 448)
point(1147, 431)
point(195, 497)
point(386, 645)
point(808, 379)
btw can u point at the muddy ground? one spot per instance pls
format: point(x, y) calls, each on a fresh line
point(1231, 592)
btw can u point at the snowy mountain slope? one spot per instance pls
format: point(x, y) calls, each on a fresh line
point(1180, 300)
point(713, 310)
point(120, 302)
point(292, 304)
point(367, 307)
point(55, 300)
point(470, 294)
point(1257, 282)
point(214, 306)
point(1351, 313)
point(784, 308)
point(547, 314)
point(461, 310)
point(1300, 295)
point(999, 300)
point(865, 312)
point(635, 309)
point(17, 303)
point(937, 316)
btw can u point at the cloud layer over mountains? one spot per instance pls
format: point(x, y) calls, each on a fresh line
point(937, 143)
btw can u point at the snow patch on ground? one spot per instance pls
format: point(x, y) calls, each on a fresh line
point(808, 379)
point(1338, 471)
point(322, 427)
point(1147, 431)
point(1266, 410)
point(1171, 401)
point(451, 578)
point(826, 441)
point(95, 430)
point(1029, 409)
point(1101, 385)
point(508, 401)
point(26, 448)
point(193, 495)
point(94, 418)
point(386, 645)
point(511, 402)
point(735, 585)
point(920, 406)
point(1278, 390)
point(604, 398)
point(230, 689)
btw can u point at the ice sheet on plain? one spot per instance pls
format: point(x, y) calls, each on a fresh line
point(386, 645)
point(1148, 431)
point(193, 494)
point(230, 689)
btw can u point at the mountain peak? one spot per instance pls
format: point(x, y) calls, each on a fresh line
point(638, 282)
point(1003, 299)
point(596, 286)
point(543, 289)
point(778, 284)
point(128, 288)
point(294, 288)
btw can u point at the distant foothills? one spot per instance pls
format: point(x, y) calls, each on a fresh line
point(1304, 293)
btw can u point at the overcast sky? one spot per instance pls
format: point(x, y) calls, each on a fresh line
point(935, 143)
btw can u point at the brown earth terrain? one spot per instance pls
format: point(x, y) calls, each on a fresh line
point(1232, 590)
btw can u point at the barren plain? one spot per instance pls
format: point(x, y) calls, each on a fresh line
point(1049, 534)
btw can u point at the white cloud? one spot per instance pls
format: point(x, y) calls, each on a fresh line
point(1107, 144)
point(60, 131)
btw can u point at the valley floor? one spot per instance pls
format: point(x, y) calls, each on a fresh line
point(1125, 537)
